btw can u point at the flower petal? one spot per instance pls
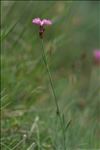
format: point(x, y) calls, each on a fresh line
point(46, 22)
point(37, 21)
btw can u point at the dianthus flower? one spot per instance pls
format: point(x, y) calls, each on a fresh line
point(41, 23)
point(96, 55)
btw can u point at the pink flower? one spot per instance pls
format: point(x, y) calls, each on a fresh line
point(41, 23)
point(96, 55)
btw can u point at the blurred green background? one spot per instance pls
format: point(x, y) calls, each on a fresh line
point(26, 96)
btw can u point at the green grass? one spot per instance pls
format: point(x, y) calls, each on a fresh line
point(28, 111)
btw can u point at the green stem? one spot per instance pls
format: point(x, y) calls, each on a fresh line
point(52, 86)
point(50, 78)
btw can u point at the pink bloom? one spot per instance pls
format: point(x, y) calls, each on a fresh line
point(97, 56)
point(42, 22)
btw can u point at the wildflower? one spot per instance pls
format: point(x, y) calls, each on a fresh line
point(41, 23)
point(97, 57)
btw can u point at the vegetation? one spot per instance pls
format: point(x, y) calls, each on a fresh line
point(28, 112)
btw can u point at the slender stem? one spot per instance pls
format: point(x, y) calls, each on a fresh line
point(52, 86)
point(50, 78)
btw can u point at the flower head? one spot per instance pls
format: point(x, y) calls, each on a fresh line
point(41, 23)
point(96, 55)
